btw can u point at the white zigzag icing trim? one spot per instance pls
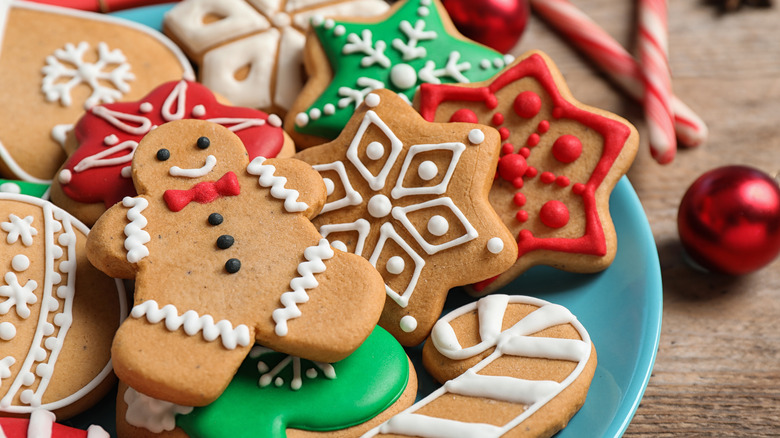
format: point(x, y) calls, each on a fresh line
point(136, 240)
point(277, 185)
point(194, 323)
point(315, 256)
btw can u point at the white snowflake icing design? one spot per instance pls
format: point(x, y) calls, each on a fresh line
point(17, 227)
point(269, 375)
point(17, 295)
point(66, 69)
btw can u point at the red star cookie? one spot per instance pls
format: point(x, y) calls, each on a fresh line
point(560, 161)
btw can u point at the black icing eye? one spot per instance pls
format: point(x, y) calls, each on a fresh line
point(204, 142)
point(163, 154)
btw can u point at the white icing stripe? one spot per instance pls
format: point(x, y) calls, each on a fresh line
point(137, 238)
point(361, 226)
point(277, 185)
point(431, 427)
point(548, 348)
point(198, 172)
point(41, 423)
point(141, 125)
point(179, 96)
point(491, 315)
point(237, 123)
point(98, 161)
point(95, 431)
point(314, 264)
point(192, 323)
point(508, 389)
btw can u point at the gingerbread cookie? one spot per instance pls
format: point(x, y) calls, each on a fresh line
point(411, 197)
point(56, 63)
point(97, 172)
point(560, 161)
point(57, 312)
point(251, 51)
point(41, 424)
point(275, 395)
point(512, 366)
point(413, 43)
point(223, 254)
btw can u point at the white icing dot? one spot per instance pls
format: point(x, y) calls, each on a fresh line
point(329, 186)
point(476, 136)
point(62, 319)
point(10, 187)
point(403, 76)
point(423, 12)
point(301, 119)
point(274, 120)
point(28, 378)
point(339, 30)
point(495, 245)
point(278, 381)
point(51, 343)
point(329, 23)
point(395, 265)
point(339, 245)
point(408, 323)
point(375, 150)
point(64, 239)
point(7, 331)
point(198, 111)
point(262, 367)
point(20, 263)
point(425, 2)
point(27, 395)
point(329, 109)
point(56, 252)
point(39, 354)
point(311, 373)
point(63, 291)
point(48, 329)
point(65, 176)
point(498, 62)
point(372, 100)
point(52, 306)
point(126, 172)
point(379, 206)
point(43, 370)
point(438, 225)
point(317, 20)
point(315, 114)
point(111, 140)
point(484, 64)
point(508, 59)
point(146, 107)
point(280, 19)
point(427, 170)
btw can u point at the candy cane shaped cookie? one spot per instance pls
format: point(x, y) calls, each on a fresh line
point(528, 364)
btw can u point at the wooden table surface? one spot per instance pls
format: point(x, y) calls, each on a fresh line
point(717, 372)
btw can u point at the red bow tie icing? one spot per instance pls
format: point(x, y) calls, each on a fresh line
point(203, 192)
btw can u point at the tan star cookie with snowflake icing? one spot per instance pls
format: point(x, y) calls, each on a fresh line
point(411, 197)
point(223, 254)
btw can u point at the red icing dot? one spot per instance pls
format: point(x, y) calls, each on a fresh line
point(507, 148)
point(512, 167)
point(521, 216)
point(554, 214)
point(562, 181)
point(527, 104)
point(519, 199)
point(533, 140)
point(543, 127)
point(567, 148)
point(464, 115)
point(491, 102)
point(578, 188)
point(547, 177)
point(524, 152)
point(531, 172)
point(498, 119)
point(504, 132)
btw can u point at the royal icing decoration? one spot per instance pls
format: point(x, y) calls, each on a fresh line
point(66, 68)
point(154, 415)
point(514, 341)
point(203, 192)
point(277, 185)
point(552, 170)
point(17, 296)
point(401, 52)
point(315, 263)
point(273, 375)
point(17, 228)
point(136, 238)
point(266, 37)
point(196, 172)
point(109, 134)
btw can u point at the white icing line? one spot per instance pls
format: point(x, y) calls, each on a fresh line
point(198, 172)
point(277, 185)
point(136, 238)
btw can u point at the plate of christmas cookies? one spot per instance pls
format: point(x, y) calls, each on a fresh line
point(346, 220)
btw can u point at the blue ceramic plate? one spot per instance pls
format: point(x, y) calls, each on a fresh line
point(620, 308)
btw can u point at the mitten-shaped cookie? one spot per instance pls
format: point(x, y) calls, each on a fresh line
point(223, 254)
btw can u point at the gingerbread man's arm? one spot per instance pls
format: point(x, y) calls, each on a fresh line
point(293, 182)
point(116, 243)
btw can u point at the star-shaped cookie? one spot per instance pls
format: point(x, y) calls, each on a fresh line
point(411, 197)
point(413, 43)
point(560, 161)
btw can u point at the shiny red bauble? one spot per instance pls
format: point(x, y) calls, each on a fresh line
point(494, 23)
point(729, 220)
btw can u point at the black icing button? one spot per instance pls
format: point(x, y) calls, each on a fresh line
point(204, 142)
point(233, 265)
point(225, 241)
point(163, 154)
point(215, 219)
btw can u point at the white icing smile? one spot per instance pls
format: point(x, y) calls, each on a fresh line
point(198, 172)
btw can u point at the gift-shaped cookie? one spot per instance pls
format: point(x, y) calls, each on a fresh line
point(223, 255)
point(56, 63)
point(560, 161)
point(411, 197)
point(101, 145)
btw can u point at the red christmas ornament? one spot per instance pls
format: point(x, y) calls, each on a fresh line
point(494, 23)
point(729, 220)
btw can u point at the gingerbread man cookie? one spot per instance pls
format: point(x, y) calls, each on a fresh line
point(223, 254)
point(560, 161)
point(411, 197)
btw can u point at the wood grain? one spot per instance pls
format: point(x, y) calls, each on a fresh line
point(718, 366)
